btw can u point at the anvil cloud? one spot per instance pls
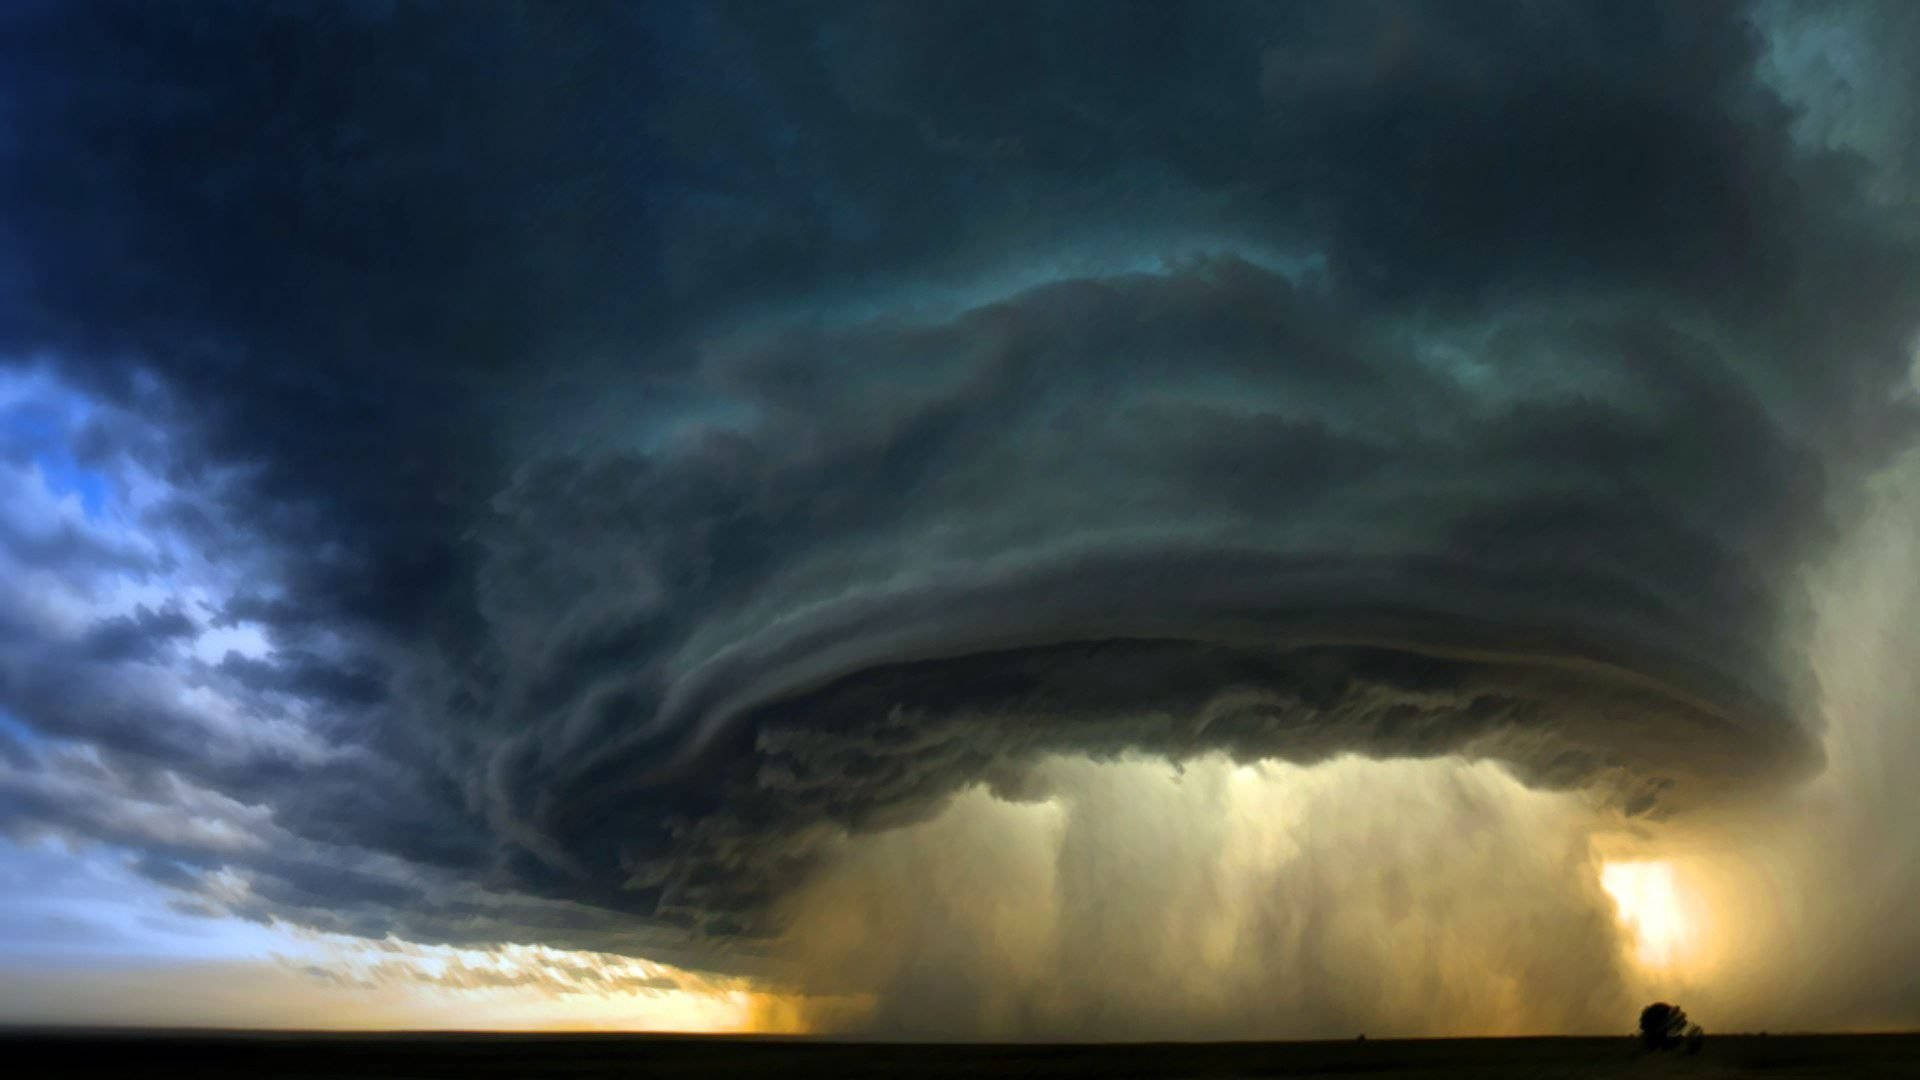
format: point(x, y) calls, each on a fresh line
point(557, 473)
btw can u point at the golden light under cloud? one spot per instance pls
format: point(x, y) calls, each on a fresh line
point(314, 981)
point(1135, 897)
point(1653, 908)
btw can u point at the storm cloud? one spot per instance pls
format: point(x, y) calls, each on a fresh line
point(577, 465)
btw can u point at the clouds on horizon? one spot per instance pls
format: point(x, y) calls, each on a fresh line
point(552, 474)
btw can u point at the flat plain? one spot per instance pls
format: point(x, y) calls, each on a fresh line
point(474, 1056)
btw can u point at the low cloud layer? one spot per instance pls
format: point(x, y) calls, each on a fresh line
point(584, 476)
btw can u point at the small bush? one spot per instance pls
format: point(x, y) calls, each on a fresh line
point(1663, 1026)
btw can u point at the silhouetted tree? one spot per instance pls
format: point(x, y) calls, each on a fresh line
point(1695, 1036)
point(1661, 1025)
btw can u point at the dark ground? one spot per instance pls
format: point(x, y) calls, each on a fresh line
point(475, 1056)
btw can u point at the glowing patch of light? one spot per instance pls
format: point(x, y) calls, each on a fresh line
point(1650, 905)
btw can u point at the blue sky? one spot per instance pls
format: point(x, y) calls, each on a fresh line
point(44, 432)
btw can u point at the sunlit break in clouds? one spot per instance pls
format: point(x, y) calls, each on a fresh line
point(1028, 521)
point(1652, 908)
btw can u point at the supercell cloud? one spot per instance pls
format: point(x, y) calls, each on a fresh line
point(554, 474)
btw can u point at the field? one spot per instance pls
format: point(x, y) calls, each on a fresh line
point(476, 1056)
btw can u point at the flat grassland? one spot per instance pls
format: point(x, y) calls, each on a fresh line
point(472, 1056)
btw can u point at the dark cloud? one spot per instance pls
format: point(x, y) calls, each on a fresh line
point(305, 676)
point(672, 438)
point(138, 636)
